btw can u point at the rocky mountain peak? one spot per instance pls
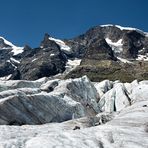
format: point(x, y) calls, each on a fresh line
point(105, 49)
point(4, 43)
point(27, 47)
point(46, 43)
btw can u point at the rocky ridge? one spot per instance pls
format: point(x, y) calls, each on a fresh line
point(107, 52)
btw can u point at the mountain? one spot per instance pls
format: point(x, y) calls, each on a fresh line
point(46, 60)
point(112, 52)
point(106, 52)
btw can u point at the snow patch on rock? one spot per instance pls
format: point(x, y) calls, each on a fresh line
point(34, 59)
point(11, 64)
point(6, 77)
point(126, 28)
point(51, 55)
point(142, 58)
point(15, 61)
point(72, 64)
point(16, 50)
point(124, 60)
point(65, 48)
point(116, 46)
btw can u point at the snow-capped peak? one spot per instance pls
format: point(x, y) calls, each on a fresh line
point(16, 50)
point(120, 27)
point(7, 42)
point(65, 48)
point(126, 28)
point(116, 46)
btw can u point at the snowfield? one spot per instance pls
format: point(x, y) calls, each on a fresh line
point(119, 117)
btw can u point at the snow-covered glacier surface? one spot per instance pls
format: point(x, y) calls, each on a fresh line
point(103, 114)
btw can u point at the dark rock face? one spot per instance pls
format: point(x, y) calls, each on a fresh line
point(99, 50)
point(42, 62)
point(132, 43)
point(6, 68)
point(133, 40)
point(46, 42)
point(32, 64)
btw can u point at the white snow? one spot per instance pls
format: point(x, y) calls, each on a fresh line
point(118, 43)
point(118, 26)
point(146, 34)
point(11, 63)
point(127, 128)
point(141, 50)
point(52, 54)
point(116, 46)
point(126, 28)
point(103, 87)
point(72, 64)
point(5, 78)
point(124, 60)
point(34, 60)
point(62, 45)
point(14, 60)
point(107, 25)
point(16, 50)
point(142, 58)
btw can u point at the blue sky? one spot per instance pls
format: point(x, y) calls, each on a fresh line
point(26, 21)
